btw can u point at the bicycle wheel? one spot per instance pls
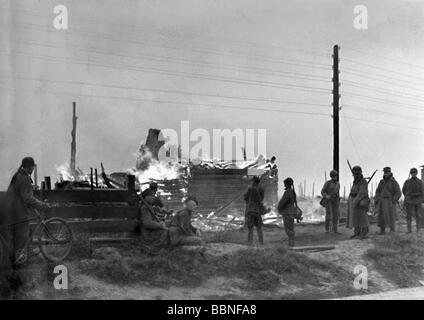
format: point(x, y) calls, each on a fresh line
point(55, 239)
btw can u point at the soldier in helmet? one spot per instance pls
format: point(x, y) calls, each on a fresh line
point(154, 231)
point(330, 192)
point(254, 210)
point(358, 204)
point(153, 188)
point(19, 204)
point(387, 196)
point(413, 190)
point(287, 208)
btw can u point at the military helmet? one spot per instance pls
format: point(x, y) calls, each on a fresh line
point(28, 162)
point(288, 181)
point(413, 170)
point(357, 169)
point(333, 173)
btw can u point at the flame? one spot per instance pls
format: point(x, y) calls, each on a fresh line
point(65, 172)
point(157, 170)
point(148, 168)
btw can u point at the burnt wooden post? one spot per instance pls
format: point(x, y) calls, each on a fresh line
point(42, 190)
point(97, 179)
point(73, 143)
point(91, 178)
point(48, 184)
point(131, 182)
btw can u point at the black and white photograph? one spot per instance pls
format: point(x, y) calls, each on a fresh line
point(225, 152)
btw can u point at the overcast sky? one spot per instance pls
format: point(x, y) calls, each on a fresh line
point(202, 51)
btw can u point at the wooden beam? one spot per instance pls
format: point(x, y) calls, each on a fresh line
point(94, 212)
point(312, 248)
point(90, 196)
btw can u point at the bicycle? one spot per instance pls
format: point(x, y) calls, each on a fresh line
point(53, 237)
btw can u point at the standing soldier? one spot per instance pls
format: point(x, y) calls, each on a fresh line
point(254, 210)
point(287, 208)
point(387, 196)
point(330, 192)
point(413, 190)
point(19, 205)
point(358, 204)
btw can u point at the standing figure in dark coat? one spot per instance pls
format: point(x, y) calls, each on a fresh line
point(387, 196)
point(287, 208)
point(254, 210)
point(154, 233)
point(181, 231)
point(19, 204)
point(358, 205)
point(331, 193)
point(413, 190)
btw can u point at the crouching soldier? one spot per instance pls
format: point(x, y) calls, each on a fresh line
point(387, 196)
point(331, 198)
point(287, 208)
point(413, 190)
point(154, 232)
point(181, 231)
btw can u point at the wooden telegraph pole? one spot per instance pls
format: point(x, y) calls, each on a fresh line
point(336, 107)
point(73, 143)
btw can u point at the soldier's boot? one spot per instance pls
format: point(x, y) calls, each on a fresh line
point(250, 236)
point(364, 233)
point(327, 225)
point(335, 228)
point(356, 233)
point(409, 226)
point(260, 236)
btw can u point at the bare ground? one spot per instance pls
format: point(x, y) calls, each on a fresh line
point(224, 269)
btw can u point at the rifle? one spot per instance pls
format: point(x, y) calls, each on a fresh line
point(369, 179)
point(350, 167)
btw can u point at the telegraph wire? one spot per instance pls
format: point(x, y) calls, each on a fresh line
point(44, 28)
point(389, 102)
point(275, 73)
point(382, 79)
point(188, 103)
point(177, 73)
point(383, 69)
point(175, 34)
point(383, 57)
point(91, 84)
